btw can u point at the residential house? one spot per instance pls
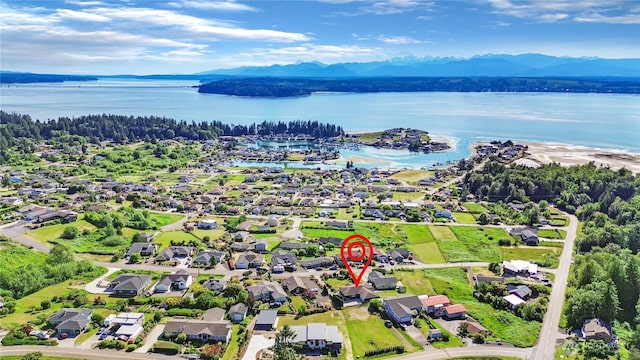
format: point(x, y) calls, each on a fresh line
point(454, 312)
point(207, 224)
point(202, 330)
point(130, 324)
point(215, 284)
point(597, 328)
point(513, 301)
point(331, 240)
point(130, 284)
point(382, 282)
point(519, 267)
point(175, 252)
point(297, 285)
point(268, 291)
point(240, 247)
point(281, 261)
point(359, 294)
point(248, 260)
point(180, 280)
point(435, 304)
point(204, 258)
point(261, 245)
point(142, 248)
point(380, 255)
point(267, 320)
point(337, 224)
point(242, 236)
point(402, 309)
point(318, 336)
point(273, 220)
point(71, 321)
point(238, 312)
point(288, 245)
point(399, 255)
point(528, 235)
point(521, 291)
point(317, 262)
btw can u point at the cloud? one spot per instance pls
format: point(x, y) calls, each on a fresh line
point(612, 11)
point(383, 7)
point(230, 6)
point(398, 40)
point(81, 15)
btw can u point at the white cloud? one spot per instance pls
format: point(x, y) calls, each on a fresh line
point(216, 5)
point(81, 15)
point(612, 11)
point(398, 40)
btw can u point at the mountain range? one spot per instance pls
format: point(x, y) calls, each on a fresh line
point(524, 65)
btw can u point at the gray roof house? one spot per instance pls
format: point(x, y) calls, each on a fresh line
point(71, 321)
point(301, 285)
point(266, 320)
point(173, 252)
point(130, 284)
point(238, 312)
point(401, 309)
point(249, 260)
point(382, 282)
point(142, 248)
point(204, 257)
point(215, 284)
point(318, 336)
point(180, 280)
point(203, 330)
point(268, 291)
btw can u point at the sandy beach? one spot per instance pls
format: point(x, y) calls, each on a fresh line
point(567, 155)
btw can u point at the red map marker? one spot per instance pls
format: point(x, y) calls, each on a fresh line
point(356, 248)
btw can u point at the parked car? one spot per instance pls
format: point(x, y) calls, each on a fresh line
point(333, 267)
point(103, 335)
point(64, 335)
point(388, 323)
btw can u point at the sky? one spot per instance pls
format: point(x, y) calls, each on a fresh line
point(188, 36)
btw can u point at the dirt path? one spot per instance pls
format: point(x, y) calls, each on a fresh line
point(346, 344)
point(404, 341)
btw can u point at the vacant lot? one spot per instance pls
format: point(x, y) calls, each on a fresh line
point(413, 176)
point(428, 253)
point(367, 332)
point(417, 234)
point(163, 219)
point(52, 232)
point(552, 233)
point(475, 208)
point(442, 233)
point(464, 218)
point(164, 239)
point(535, 254)
point(474, 244)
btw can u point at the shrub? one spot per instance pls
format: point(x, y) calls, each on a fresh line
point(388, 350)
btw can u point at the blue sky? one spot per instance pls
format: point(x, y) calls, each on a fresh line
point(188, 36)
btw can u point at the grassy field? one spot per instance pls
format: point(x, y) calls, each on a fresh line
point(33, 302)
point(474, 208)
point(214, 234)
point(442, 233)
point(413, 176)
point(464, 218)
point(381, 234)
point(13, 256)
point(163, 219)
point(417, 234)
point(52, 232)
point(367, 332)
point(428, 253)
point(164, 239)
point(318, 233)
point(232, 348)
point(415, 282)
point(474, 244)
point(552, 233)
point(503, 324)
point(405, 196)
point(530, 253)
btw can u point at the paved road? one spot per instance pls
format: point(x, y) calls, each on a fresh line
point(93, 287)
point(470, 351)
point(549, 333)
point(16, 230)
point(89, 354)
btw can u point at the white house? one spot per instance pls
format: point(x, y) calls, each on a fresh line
point(207, 224)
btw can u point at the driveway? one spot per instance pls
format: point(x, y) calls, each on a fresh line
point(88, 344)
point(97, 286)
point(257, 343)
point(417, 335)
point(151, 339)
point(69, 342)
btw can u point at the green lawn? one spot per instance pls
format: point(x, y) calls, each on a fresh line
point(415, 282)
point(367, 332)
point(474, 208)
point(164, 238)
point(52, 232)
point(337, 283)
point(454, 341)
point(381, 234)
point(534, 254)
point(417, 234)
point(474, 244)
point(163, 219)
point(13, 256)
point(503, 324)
point(413, 176)
point(407, 196)
point(464, 218)
point(552, 233)
point(85, 336)
point(442, 233)
point(214, 234)
point(232, 349)
point(33, 301)
point(428, 253)
point(318, 233)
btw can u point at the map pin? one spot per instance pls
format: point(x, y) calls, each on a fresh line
point(356, 248)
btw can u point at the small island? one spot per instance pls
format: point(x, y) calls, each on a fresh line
point(402, 139)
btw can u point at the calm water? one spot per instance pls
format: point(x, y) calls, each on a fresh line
point(596, 120)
